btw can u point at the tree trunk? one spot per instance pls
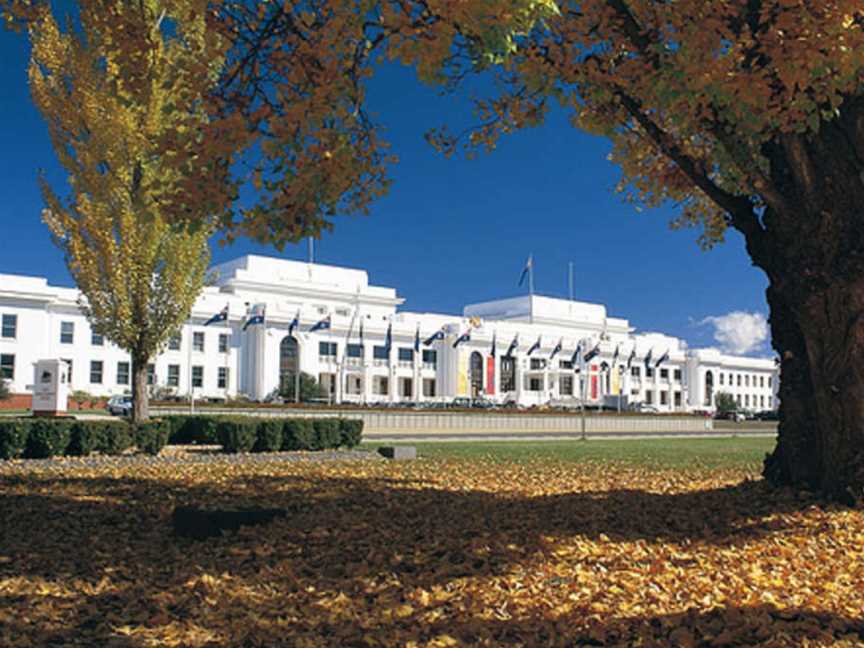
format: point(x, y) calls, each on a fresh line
point(814, 257)
point(140, 401)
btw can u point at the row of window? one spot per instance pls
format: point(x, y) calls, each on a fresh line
point(67, 336)
point(736, 380)
point(404, 354)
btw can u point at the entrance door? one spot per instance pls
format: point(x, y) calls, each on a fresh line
point(476, 374)
point(289, 366)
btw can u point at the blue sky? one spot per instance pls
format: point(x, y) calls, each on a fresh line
point(454, 231)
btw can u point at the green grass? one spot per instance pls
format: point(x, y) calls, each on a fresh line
point(653, 453)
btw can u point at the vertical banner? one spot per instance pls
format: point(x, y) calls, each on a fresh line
point(462, 373)
point(594, 385)
point(490, 376)
point(616, 384)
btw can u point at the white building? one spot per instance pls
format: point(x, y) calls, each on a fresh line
point(351, 358)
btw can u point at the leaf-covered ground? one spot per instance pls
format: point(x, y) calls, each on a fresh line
point(436, 552)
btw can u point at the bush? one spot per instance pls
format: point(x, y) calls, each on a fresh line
point(269, 435)
point(116, 438)
point(13, 438)
point(327, 433)
point(48, 438)
point(351, 431)
point(237, 434)
point(87, 436)
point(152, 436)
point(193, 429)
point(298, 434)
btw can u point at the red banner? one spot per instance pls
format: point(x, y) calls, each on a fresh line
point(594, 390)
point(490, 376)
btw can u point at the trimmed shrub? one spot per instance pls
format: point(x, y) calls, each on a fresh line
point(298, 434)
point(86, 438)
point(186, 429)
point(327, 433)
point(48, 438)
point(152, 436)
point(116, 438)
point(237, 434)
point(13, 437)
point(268, 435)
point(351, 431)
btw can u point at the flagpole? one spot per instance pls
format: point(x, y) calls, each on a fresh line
point(189, 366)
point(311, 250)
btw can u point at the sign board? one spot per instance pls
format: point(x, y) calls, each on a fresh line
point(50, 387)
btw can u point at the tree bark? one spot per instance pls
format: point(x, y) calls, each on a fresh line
point(140, 400)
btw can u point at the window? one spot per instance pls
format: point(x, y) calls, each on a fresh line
point(746, 400)
point(535, 384)
point(761, 381)
point(762, 402)
point(508, 374)
point(430, 357)
point(67, 332)
point(664, 374)
point(10, 326)
point(649, 398)
point(634, 371)
point(769, 382)
point(406, 355)
point(7, 366)
point(174, 342)
point(407, 387)
point(122, 373)
point(677, 399)
point(649, 372)
point(738, 399)
point(342, 312)
point(222, 378)
point(96, 372)
point(327, 349)
point(173, 375)
point(538, 363)
point(566, 385)
point(380, 385)
point(380, 353)
point(198, 341)
point(197, 376)
point(565, 364)
point(223, 343)
point(664, 398)
point(739, 380)
point(151, 374)
point(68, 364)
point(747, 380)
point(721, 377)
point(429, 387)
point(676, 375)
point(96, 339)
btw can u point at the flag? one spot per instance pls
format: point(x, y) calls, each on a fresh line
point(388, 339)
point(494, 344)
point(648, 359)
point(465, 337)
point(529, 266)
point(662, 358)
point(437, 335)
point(294, 323)
point(417, 340)
point(361, 332)
point(632, 357)
point(534, 346)
point(257, 317)
point(593, 353)
point(557, 348)
point(513, 346)
point(221, 316)
point(615, 355)
point(321, 325)
point(576, 355)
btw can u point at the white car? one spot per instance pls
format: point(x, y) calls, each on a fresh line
point(119, 405)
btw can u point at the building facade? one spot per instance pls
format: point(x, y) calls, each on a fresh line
point(356, 341)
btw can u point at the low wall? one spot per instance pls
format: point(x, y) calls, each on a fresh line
point(485, 423)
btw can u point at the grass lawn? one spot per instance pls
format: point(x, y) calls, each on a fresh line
point(626, 543)
point(742, 452)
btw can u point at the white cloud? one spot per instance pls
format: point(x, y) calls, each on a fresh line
point(739, 332)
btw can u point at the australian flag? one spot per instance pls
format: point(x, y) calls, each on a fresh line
point(513, 346)
point(631, 358)
point(535, 346)
point(662, 358)
point(256, 317)
point(294, 323)
point(615, 355)
point(648, 359)
point(593, 353)
point(417, 340)
point(322, 325)
point(465, 337)
point(221, 316)
point(529, 265)
point(388, 339)
point(437, 335)
point(494, 344)
point(557, 348)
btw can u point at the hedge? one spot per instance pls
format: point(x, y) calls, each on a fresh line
point(43, 438)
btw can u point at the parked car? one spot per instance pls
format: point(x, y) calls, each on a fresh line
point(768, 415)
point(738, 417)
point(119, 405)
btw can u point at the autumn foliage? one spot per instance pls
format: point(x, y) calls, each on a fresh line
point(428, 553)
